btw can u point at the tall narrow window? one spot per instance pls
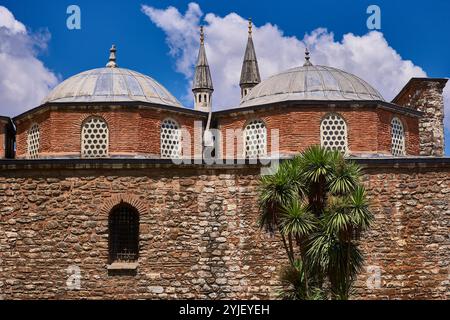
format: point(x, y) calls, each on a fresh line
point(123, 234)
point(333, 133)
point(398, 138)
point(33, 142)
point(94, 138)
point(255, 139)
point(170, 139)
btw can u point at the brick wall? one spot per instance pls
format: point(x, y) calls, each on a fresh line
point(131, 132)
point(369, 129)
point(198, 232)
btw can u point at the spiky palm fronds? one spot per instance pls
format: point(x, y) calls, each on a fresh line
point(316, 201)
point(297, 220)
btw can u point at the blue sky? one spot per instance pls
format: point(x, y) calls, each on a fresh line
point(417, 32)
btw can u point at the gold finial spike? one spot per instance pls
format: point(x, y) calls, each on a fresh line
point(250, 26)
point(202, 35)
point(307, 57)
point(112, 57)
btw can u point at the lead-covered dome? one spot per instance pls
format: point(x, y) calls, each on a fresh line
point(111, 85)
point(310, 82)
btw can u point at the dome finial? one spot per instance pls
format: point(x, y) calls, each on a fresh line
point(112, 57)
point(307, 57)
point(202, 35)
point(250, 26)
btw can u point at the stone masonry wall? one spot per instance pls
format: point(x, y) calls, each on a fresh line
point(426, 95)
point(199, 236)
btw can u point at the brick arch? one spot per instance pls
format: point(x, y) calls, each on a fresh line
point(83, 118)
point(133, 201)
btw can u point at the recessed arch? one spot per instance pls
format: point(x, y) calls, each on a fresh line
point(170, 139)
point(398, 144)
point(255, 138)
point(334, 132)
point(123, 233)
point(33, 141)
point(94, 137)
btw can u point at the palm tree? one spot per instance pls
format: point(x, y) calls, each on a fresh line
point(318, 206)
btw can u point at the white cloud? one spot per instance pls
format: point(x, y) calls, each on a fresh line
point(24, 80)
point(368, 56)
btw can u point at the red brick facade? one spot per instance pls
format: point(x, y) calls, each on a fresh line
point(132, 131)
point(136, 132)
point(369, 128)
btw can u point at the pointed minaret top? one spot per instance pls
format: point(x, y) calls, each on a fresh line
point(112, 57)
point(250, 71)
point(202, 76)
point(202, 35)
point(307, 57)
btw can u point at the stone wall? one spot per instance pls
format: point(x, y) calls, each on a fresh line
point(198, 231)
point(425, 95)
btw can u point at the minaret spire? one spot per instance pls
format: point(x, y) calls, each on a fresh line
point(250, 76)
point(112, 57)
point(202, 86)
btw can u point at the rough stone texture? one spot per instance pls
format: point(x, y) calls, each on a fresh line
point(369, 129)
point(199, 236)
point(426, 95)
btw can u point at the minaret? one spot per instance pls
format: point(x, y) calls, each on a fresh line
point(250, 72)
point(112, 57)
point(202, 86)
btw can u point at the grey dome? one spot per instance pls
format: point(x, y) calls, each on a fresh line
point(111, 85)
point(310, 82)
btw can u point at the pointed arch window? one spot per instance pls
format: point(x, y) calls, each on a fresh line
point(398, 138)
point(123, 234)
point(94, 138)
point(255, 139)
point(33, 141)
point(333, 133)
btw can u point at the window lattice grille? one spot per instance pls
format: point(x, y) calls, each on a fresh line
point(33, 141)
point(94, 138)
point(170, 139)
point(123, 234)
point(255, 139)
point(398, 138)
point(333, 133)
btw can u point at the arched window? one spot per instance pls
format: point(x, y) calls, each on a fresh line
point(94, 138)
point(398, 137)
point(255, 139)
point(333, 133)
point(123, 233)
point(170, 139)
point(33, 142)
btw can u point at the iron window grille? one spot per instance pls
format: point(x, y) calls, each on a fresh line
point(123, 234)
